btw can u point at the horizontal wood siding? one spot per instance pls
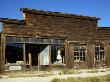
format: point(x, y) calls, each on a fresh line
point(61, 26)
point(71, 27)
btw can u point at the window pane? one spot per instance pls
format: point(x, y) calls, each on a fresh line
point(76, 53)
point(84, 54)
point(102, 53)
point(101, 48)
point(75, 58)
point(79, 53)
point(82, 48)
point(99, 52)
point(96, 49)
point(75, 48)
point(83, 58)
point(96, 53)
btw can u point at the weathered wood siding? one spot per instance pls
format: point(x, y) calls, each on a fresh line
point(48, 25)
point(73, 27)
point(2, 54)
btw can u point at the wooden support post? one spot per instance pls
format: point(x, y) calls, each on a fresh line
point(90, 56)
point(30, 59)
point(107, 56)
point(71, 59)
point(39, 61)
point(24, 56)
point(66, 53)
point(49, 57)
point(2, 55)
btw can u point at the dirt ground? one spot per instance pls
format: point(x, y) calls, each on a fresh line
point(84, 73)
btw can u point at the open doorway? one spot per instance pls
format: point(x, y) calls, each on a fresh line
point(32, 51)
point(35, 54)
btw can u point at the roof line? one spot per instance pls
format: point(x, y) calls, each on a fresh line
point(103, 28)
point(42, 12)
point(12, 21)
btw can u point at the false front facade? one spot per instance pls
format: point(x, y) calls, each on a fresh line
point(47, 39)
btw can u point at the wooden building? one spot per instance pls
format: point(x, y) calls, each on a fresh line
point(33, 43)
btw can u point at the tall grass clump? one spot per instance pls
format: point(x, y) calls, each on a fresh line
point(86, 79)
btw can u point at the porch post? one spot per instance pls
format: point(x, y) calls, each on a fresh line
point(2, 55)
point(67, 56)
point(49, 57)
point(24, 56)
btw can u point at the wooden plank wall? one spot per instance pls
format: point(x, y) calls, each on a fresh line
point(0, 61)
point(75, 29)
point(90, 55)
point(107, 56)
point(61, 26)
point(2, 55)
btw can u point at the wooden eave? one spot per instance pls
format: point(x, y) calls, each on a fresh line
point(103, 28)
point(12, 21)
point(57, 14)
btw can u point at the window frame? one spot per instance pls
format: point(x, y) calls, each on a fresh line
point(99, 56)
point(79, 57)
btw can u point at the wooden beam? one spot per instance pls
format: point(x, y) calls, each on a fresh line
point(49, 57)
point(24, 56)
point(2, 56)
point(30, 59)
point(39, 61)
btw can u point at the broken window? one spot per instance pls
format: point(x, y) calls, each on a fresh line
point(79, 53)
point(99, 53)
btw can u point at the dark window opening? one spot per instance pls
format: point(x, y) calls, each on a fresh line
point(14, 53)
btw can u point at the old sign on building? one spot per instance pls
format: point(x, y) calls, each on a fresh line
point(14, 68)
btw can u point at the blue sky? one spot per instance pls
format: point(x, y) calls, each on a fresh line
point(98, 8)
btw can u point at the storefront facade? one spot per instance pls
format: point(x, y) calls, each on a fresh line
point(45, 39)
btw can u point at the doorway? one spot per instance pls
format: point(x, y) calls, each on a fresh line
point(36, 54)
point(32, 51)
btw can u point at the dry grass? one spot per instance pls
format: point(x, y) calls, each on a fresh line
point(69, 71)
point(86, 79)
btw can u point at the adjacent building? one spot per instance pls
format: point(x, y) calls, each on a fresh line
point(44, 39)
